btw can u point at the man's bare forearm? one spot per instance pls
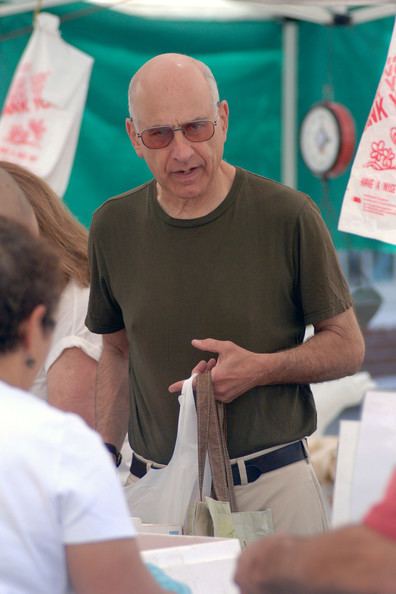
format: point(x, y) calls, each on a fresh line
point(331, 353)
point(335, 350)
point(351, 559)
point(112, 394)
point(354, 560)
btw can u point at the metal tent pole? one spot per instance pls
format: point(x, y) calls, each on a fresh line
point(289, 104)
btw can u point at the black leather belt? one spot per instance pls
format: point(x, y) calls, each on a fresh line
point(294, 452)
point(255, 467)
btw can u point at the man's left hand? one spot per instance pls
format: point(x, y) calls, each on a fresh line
point(235, 372)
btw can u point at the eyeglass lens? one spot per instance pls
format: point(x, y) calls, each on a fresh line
point(162, 136)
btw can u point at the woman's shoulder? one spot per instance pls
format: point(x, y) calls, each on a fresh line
point(70, 330)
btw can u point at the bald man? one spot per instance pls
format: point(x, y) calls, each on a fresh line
point(14, 204)
point(208, 266)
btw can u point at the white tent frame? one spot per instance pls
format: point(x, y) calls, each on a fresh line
point(315, 11)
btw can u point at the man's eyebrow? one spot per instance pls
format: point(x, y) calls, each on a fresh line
point(196, 119)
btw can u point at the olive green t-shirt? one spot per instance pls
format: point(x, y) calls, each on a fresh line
point(255, 271)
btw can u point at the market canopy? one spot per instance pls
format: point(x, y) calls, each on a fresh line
point(316, 11)
point(246, 44)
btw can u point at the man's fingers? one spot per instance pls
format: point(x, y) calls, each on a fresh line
point(211, 363)
point(176, 387)
point(200, 367)
point(207, 344)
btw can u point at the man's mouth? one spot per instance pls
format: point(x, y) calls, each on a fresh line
point(185, 172)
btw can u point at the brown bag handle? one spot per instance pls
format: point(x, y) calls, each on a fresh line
point(212, 441)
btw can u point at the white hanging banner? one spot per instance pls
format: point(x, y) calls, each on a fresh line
point(41, 117)
point(369, 206)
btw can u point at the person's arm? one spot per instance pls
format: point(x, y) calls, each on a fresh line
point(110, 566)
point(335, 350)
point(354, 560)
point(112, 398)
point(71, 384)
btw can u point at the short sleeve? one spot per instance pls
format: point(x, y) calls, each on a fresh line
point(70, 330)
point(323, 290)
point(382, 517)
point(92, 504)
point(104, 313)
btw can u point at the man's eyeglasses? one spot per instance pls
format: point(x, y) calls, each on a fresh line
point(161, 136)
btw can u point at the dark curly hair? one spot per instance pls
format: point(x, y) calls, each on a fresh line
point(29, 276)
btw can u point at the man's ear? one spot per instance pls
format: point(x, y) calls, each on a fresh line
point(223, 117)
point(130, 130)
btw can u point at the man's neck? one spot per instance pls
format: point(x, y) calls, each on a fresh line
point(184, 208)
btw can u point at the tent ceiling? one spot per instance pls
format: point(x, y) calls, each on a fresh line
point(317, 11)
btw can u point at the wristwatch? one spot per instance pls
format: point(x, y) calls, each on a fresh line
point(117, 455)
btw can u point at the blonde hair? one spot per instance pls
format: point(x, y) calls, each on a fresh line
point(14, 204)
point(56, 223)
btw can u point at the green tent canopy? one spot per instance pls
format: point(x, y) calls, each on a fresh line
point(247, 57)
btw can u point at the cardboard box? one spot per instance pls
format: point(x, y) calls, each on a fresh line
point(205, 564)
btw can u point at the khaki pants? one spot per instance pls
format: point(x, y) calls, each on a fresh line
point(292, 493)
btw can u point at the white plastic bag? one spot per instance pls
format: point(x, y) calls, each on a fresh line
point(42, 113)
point(369, 206)
point(163, 495)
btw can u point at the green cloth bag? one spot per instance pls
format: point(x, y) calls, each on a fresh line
point(218, 515)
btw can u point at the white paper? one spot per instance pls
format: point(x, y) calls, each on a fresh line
point(376, 451)
point(369, 206)
point(347, 445)
point(41, 117)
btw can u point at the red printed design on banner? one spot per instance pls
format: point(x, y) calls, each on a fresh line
point(17, 101)
point(37, 82)
point(30, 134)
point(8, 153)
point(381, 156)
point(26, 99)
point(26, 93)
point(390, 77)
point(378, 111)
point(379, 205)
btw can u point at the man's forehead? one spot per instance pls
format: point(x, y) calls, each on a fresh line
point(170, 110)
point(164, 92)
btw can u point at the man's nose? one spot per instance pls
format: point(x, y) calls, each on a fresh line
point(181, 146)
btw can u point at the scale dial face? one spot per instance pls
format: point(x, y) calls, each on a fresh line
point(320, 139)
